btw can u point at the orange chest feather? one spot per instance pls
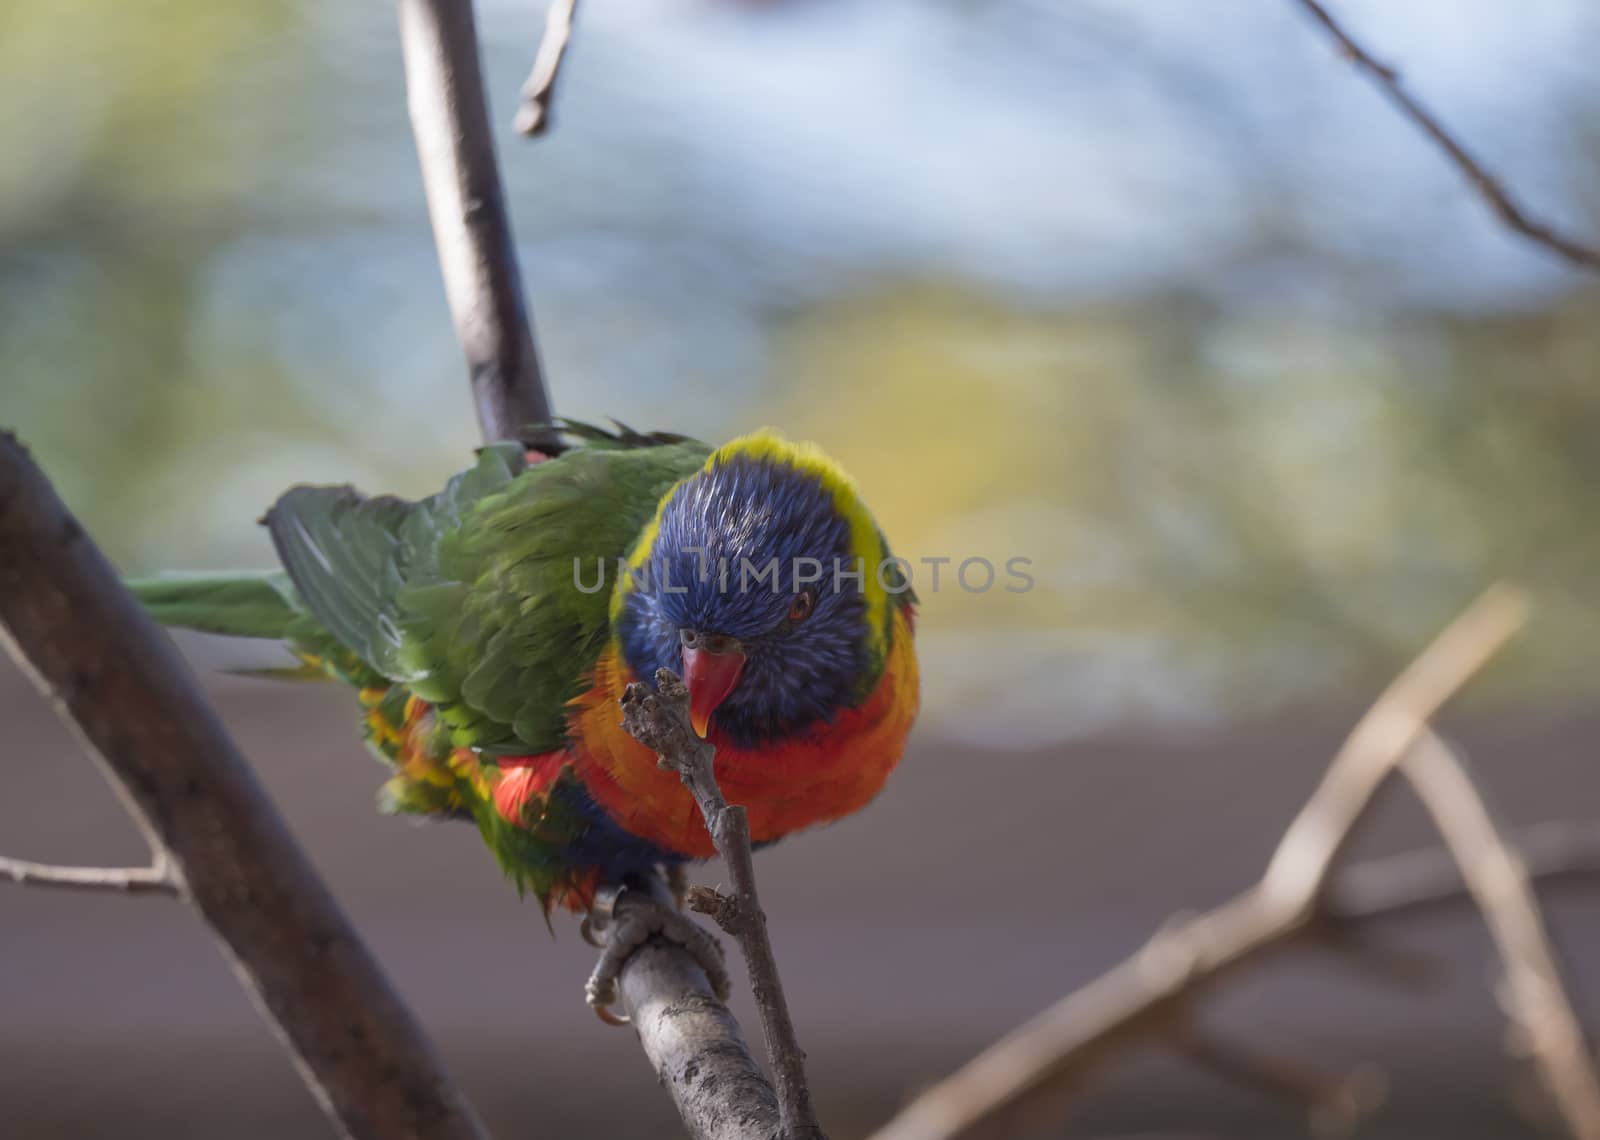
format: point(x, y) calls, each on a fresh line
point(784, 787)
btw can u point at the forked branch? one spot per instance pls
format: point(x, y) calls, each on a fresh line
point(1027, 1074)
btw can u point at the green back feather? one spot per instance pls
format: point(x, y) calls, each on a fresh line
point(468, 597)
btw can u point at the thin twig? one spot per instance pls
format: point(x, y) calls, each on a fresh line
point(105, 665)
point(1489, 187)
point(1413, 882)
point(1536, 998)
point(156, 879)
point(659, 719)
point(1025, 1075)
point(1334, 1104)
point(466, 203)
point(1401, 885)
point(533, 115)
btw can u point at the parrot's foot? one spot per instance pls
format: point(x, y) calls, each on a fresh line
point(624, 919)
point(678, 883)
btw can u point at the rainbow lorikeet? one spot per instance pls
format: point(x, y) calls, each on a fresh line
point(490, 630)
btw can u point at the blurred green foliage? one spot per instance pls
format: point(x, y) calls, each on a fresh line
point(127, 180)
point(1248, 487)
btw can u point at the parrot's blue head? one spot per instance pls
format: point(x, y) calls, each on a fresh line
point(766, 585)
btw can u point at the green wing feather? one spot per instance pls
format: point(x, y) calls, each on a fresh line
point(349, 555)
point(497, 624)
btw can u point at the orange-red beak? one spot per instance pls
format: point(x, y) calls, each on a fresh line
point(710, 677)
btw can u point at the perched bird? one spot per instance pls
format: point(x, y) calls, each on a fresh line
point(491, 629)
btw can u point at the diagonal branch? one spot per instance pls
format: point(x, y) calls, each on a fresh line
point(1488, 187)
point(1025, 1075)
point(466, 203)
point(156, 879)
point(533, 115)
point(113, 673)
point(660, 721)
point(1535, 996)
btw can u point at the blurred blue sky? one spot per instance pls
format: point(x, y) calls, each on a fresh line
point(715, 164)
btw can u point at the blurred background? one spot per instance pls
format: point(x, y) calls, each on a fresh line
point(1159, 295)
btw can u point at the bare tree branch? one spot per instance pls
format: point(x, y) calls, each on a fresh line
point(1488, 187)
point(156, 879)
point(1396, 886)
point(1026, 1074)
point(1335, 1104)
point(660, 720)
point(533, 115)
point(466, 202)
point(1536, 998)
point(105, 665)
point(1401, 885)
point(694, 1044)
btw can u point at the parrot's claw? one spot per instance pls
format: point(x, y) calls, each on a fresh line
point(620, 930)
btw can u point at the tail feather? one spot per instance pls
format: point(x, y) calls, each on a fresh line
point(236, 605)
point(253, 604)
point(431, 778)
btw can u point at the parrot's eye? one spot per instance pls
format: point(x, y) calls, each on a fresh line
point(804, 602)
